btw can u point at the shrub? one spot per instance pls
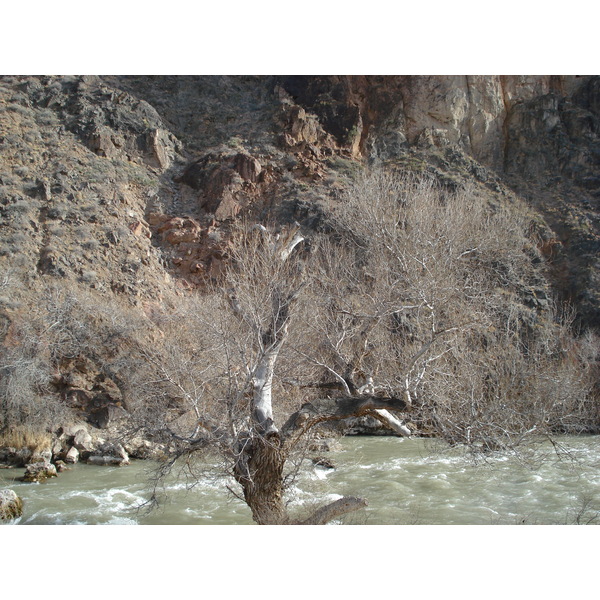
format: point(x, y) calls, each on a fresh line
point(19, 109)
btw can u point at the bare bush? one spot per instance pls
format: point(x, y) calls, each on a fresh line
point(421, 296)
point(412, 312)
point(27, 406)
point(64, 326)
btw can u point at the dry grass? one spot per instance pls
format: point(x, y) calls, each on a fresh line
point(24, 437)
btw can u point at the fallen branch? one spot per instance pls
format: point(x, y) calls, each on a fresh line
point(336, 509)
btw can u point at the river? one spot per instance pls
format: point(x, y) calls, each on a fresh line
point(406, 481)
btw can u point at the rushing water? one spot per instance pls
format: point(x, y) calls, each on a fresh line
point(405, 481)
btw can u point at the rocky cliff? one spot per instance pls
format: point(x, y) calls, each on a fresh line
point(538, 136)
point(126, 187)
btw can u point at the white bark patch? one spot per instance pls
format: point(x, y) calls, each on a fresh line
point(263, 386)
point(392, 422)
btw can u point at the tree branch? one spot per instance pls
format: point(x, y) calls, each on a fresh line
point(336, 409)
point(385, 417)
point(342, 382)
point(336, 509)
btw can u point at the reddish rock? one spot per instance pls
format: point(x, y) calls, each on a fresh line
point(189, 222)
point(172, 223)
point(248, 167)
point(178, 236)
point(227, 208)
point(155, 219)
point(303, 129)
point(140, 229)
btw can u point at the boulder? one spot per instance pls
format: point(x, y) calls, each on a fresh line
point(179, 236)
point(161, 149)
point(6, 455)
point(22, 456)
point(15, 458)
point(72, 440)
point(106, 460)
point(109, 453)
point(248, 167)
point(11, 506)
point(72, 456)
point(100, 142)
point(60, 466)
point(82, 441)
point(39, 472)
point(71, 430)
point(57, 446)
point(144, 449)
point(156, 219)
point(139, 229)
point(44, 455)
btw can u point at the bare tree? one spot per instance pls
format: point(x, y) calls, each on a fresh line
point(230, 405)
point(409, 313)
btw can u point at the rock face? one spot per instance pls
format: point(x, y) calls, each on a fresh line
point(538, 134)
point(364, 113)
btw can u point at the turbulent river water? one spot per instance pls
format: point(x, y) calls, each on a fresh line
point(406, 481)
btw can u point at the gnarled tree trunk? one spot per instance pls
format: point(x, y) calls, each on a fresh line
point(262, 451)
point(259, 470)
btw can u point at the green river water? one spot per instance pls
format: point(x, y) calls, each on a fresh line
point(406, 481)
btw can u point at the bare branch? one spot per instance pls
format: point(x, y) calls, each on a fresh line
point(335, 409)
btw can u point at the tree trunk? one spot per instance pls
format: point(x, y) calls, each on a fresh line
point(262, 402)
point(259, 470)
